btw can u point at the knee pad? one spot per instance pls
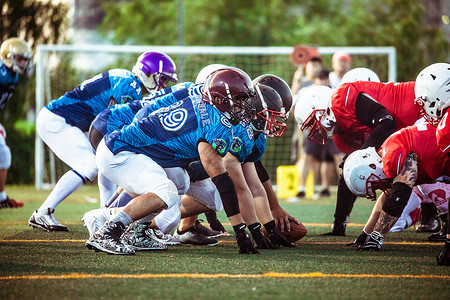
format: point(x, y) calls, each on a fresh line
point(397, 199)
point(5, 156)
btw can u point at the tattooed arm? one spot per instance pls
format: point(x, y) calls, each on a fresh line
point(399, 195)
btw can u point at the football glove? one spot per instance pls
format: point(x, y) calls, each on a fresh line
point(262, 241)
point(278, 239)
point(245, 243)
point(374, 242)
point(360, 240)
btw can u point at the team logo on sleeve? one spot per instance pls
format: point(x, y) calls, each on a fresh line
point(220, 145)
point(236, 146)
point(174, 120)
point(225, 122)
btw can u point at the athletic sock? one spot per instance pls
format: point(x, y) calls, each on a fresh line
point(65, 186)
point(122, 217)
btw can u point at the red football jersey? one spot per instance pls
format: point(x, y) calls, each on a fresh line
point(420, 139)
point(398, 98)
point(443, 134)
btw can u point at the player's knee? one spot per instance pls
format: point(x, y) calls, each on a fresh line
point(88, 172)
point(5, 156)
point(172, 197)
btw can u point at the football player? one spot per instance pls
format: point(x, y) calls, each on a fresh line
point(63, 123)
point(433, 97)
point(407, 158)
point(15, 60)
point(356, 115)
point(170, 137)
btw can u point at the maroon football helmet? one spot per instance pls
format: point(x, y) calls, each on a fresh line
point(229, 90)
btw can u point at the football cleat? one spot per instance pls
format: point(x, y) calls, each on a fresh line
point(94, 219)
point(337, 229)
point(140, 237)
point(46, 221)
point(443, 259)
point(107, 239)
point(10, 203)
point(433, 225)
point(165, 238)
point(206, 231)
point(195, 238)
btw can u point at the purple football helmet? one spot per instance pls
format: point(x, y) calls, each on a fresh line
point(155, 69)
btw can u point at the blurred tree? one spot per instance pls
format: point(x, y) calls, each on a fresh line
point(38, 22)
point(395, 23)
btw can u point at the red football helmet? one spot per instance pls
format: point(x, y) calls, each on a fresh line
point(270, 116)
point(229, 90)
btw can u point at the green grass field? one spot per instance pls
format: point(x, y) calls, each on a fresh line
point(39, 265)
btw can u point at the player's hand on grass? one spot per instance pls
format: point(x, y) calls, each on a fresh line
point(245, 243)
point(374, 243)
point(262, 241)
point(360, 240)
point(278, 239)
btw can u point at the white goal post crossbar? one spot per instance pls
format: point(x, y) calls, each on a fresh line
point(180, 50)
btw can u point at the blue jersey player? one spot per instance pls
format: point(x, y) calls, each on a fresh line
point(168, 137)
point(15, 60)
point(64, 122)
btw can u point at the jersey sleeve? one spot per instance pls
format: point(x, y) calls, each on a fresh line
point(394, 152)
point(258, 149)
point(219, 136)
point(443, 134)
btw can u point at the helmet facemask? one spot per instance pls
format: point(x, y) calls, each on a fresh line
point(429, 110)
point(321, 124)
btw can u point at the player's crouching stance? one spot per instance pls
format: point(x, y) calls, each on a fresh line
point(433, 96)
point(135, 156)
point(407, 158)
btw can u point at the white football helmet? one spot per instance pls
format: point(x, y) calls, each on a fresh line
point(363, 173)
point(16, 54)
point(432, 90)
point(360, 74)
point(313, 112)
point(206, 71)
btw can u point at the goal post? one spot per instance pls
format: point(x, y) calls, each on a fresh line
point(60, 68)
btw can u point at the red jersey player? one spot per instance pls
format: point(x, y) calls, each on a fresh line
point(360, 114)
point(409, 157)
point(433, 97)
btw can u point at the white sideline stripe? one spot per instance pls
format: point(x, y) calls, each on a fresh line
point(221, 275)
point(224, 242)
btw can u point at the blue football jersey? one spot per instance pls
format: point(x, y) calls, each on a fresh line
point(116, 116)
point(258, 148)
point(170, 135)
point(8, 81)
point(155, 103)
point(80, 106)
point(243, 141)
point(169, 90)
